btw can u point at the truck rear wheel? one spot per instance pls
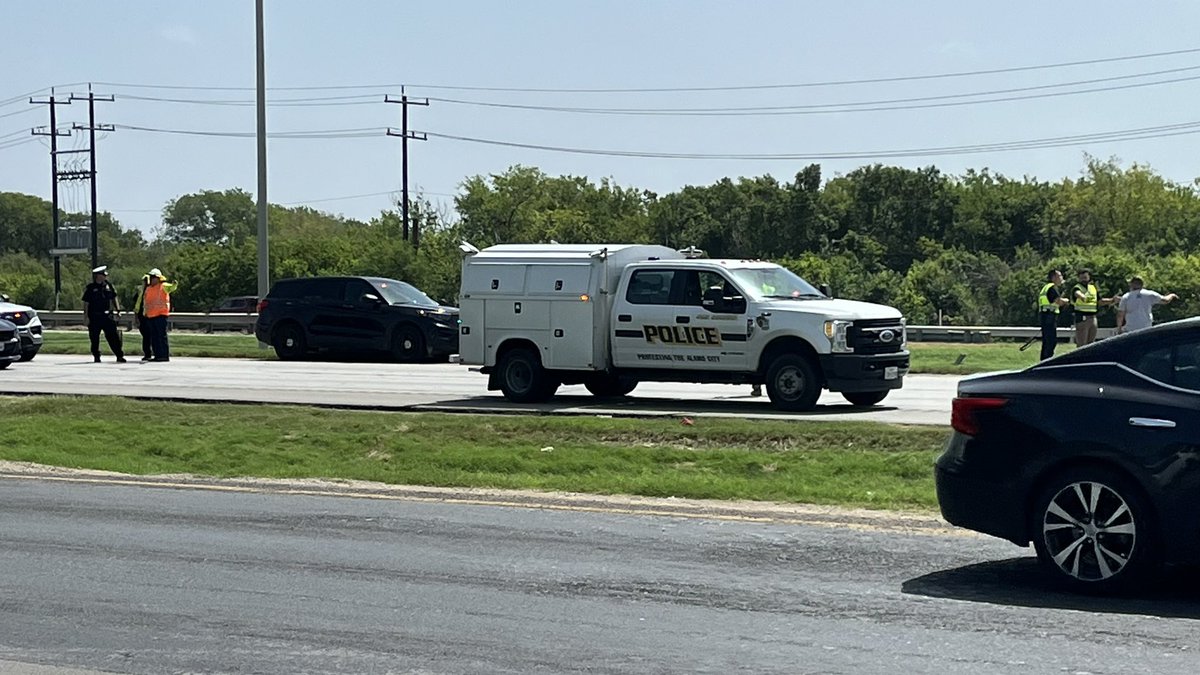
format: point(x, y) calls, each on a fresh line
point(792, 383)
point(609, 386)
point(865, 398)
point(522, 378)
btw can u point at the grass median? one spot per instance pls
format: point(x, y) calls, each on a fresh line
point(217, 345)
point(860, 464)
point(927, 357)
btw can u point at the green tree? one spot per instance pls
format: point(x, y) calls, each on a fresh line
point(210, 217)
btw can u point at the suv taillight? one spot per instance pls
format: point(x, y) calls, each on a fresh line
point(963, 412)
point(262, 304)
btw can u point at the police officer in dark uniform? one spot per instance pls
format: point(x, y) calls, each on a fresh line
point(99, 305)
point(1050, 304)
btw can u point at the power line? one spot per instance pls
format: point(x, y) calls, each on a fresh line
point(362, 132)
point(23, 111)
point(392, 193)
point(18, 142)
point(15, 133)
point(360, 99)
point(1052, 142)
point(912, 103)
point(22, 98)
point(634, 90)
point(909, 103)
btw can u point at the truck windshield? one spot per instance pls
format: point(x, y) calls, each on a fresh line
point(762, 283)
point(400, 293)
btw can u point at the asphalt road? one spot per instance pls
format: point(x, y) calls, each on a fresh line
point(152, 580)
point(925, 399)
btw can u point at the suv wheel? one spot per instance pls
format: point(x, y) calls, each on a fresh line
point(5, 364)
point(792, 383)
point(1093, 530)
point(289, 342)
point(522, 378)
point(28, 354)
point(408, 345)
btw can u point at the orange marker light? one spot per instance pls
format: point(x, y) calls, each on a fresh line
point(585, 297)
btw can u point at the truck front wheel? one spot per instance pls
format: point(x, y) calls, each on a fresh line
point(792, 383)
point(522, 378)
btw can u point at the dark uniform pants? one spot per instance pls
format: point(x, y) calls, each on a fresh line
point(105, 324)
point(1049, 333)
point(147, 337)
point(158, 338)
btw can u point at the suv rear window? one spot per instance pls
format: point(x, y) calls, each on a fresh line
point(311, 289)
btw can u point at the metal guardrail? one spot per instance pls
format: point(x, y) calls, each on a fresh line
point(979, 334)
point(211, 323)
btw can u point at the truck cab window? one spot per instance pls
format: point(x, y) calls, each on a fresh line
point(700, 283)
point(650, 287)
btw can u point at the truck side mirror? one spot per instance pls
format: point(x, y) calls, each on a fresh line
point(825, 290)
point(715, 301)
point(371, 299)
point(4, 297)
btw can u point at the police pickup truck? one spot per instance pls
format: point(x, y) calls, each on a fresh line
point(536, 317)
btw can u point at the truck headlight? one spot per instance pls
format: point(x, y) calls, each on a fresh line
point(836, 332)
point(903, 332)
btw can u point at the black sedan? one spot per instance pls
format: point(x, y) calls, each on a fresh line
point(1093, 456)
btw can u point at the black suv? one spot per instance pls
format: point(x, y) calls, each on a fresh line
point(355, 314)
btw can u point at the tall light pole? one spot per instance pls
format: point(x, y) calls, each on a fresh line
point(264, 268)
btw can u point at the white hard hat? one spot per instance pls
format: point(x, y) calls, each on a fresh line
point(156, 272)
point(103, 269)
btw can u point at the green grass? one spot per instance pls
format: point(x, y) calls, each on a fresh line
point(943, 358)
point(852, 464)
point(927, 357)
point(228, 345)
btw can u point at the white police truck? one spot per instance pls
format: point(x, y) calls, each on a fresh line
point(538, 316)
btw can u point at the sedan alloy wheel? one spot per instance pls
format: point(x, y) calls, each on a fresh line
point(1089, 531)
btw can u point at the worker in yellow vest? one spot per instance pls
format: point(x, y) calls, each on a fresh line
point(156, 308)
point(1086, 300)
point(1050, 304)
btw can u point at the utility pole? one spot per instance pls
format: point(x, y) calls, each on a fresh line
point(264, 267)
point(53, 132)
point(92, 128)
point(405, 135)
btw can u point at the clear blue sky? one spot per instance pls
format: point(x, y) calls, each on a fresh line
point(580, 44)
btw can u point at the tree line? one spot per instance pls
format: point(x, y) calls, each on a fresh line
point(968, 249)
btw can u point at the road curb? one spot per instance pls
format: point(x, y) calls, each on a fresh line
point(912, 522)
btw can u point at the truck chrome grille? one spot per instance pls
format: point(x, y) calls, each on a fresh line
point(876, 336)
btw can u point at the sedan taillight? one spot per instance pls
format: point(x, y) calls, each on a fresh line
point(964, 410)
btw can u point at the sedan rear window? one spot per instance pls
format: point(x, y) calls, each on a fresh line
point(1176, 365)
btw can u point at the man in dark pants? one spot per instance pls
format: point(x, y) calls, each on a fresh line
point(1050, 302)
point(156, 303)
point(99, 305)
point(143, 324)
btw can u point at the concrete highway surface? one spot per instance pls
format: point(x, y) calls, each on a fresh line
point(108, 576)
point(925, 399)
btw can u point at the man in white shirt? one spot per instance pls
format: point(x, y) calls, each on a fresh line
point(1135, 310)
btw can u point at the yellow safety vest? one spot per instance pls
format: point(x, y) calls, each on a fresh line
point(1090, 298)
point(1044, 303)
